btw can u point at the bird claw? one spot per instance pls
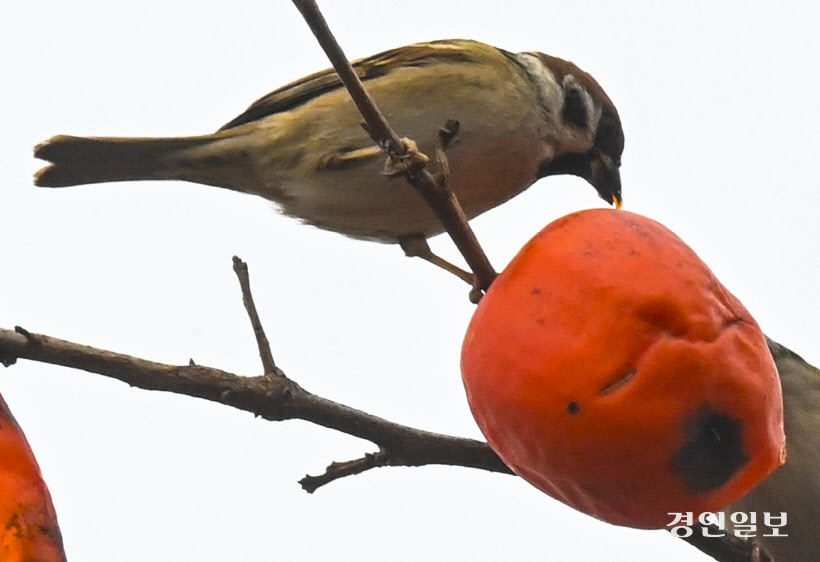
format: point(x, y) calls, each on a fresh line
point(411, 160)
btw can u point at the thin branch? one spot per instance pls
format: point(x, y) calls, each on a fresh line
point(338, 470)
point(265, 353)
point(272, 398)
point(403, 152)
point(377, 125)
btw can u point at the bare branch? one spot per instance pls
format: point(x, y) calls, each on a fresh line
point(265, 353)
point(338, 470)
point(272, 398)
point(402, 151)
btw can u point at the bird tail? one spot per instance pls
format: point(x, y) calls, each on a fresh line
point(210, 159)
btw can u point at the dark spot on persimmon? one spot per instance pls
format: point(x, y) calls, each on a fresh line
point(536, 291)
point(713, 452)
point(573, 408)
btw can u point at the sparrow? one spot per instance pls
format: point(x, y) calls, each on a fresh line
point(521, 116)
point(794, 488)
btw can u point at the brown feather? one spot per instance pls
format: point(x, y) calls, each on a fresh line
point(310, 87)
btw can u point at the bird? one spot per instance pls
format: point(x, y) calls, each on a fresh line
point(794, 488)
point(521, 117)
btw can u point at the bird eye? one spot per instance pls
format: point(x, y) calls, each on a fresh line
point(575, 111)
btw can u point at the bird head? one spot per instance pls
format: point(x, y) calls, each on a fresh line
point(589, 139)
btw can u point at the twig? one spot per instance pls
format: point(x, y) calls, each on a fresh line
point(380, 131)
point(338, 470)
point(265, 353)
point(402, 152)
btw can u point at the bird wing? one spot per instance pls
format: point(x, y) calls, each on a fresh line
point(305, 89)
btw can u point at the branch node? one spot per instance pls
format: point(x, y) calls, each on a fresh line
point(276, 374)
point(26, 334)
point(8, 358)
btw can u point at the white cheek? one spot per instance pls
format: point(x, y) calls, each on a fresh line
point(595, 117)
point(581, 139)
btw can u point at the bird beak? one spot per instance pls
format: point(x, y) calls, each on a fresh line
point(606, 179)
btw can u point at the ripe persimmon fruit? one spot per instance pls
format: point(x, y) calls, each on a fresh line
point(29, 530)
point(608, 367)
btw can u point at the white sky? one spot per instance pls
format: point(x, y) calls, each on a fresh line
point(720, 106)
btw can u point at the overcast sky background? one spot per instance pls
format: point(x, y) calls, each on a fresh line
point(719, 104)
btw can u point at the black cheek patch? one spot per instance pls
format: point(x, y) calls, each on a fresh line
point(575, 112)
point(713, 451)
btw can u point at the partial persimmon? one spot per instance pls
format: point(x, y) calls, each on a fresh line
point(28, 523)
point(608, 367)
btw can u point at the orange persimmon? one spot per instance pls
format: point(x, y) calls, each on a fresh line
point(29, 528)
point(608, 367)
